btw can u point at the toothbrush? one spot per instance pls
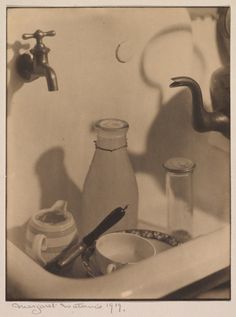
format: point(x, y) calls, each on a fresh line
point(73, 251)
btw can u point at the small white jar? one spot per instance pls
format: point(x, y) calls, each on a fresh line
point(49, 231)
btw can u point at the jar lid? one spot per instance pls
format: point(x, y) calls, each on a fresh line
point(179, 165)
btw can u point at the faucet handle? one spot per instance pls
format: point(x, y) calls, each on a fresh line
point(38, 35)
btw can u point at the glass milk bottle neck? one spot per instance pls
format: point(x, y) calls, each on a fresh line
point(111, 134)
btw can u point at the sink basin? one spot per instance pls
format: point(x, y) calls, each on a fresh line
point(171, 269)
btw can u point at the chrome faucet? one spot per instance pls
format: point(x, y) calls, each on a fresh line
point(31, 67)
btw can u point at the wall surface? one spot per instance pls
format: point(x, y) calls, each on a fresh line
point(109, 63)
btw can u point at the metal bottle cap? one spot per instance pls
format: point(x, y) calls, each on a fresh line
point(179, 165)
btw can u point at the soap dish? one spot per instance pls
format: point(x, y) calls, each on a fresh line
point(161, 241)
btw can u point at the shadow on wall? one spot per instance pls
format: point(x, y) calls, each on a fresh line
point(55, 183)
point(171, 134)
point(167, 137)
point(15, 82)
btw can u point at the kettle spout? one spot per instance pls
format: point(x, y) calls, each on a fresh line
point(203, 120)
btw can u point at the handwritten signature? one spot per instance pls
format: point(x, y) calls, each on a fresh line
point(38, 308)
point(34, 308)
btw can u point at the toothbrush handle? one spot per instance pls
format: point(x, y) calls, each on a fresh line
point(108, 222)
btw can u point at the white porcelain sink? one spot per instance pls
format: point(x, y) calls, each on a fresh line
point(155, 277)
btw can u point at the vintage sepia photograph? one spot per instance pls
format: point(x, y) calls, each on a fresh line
point(118, 153)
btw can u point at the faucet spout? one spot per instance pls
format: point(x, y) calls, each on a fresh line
point(51, 78)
